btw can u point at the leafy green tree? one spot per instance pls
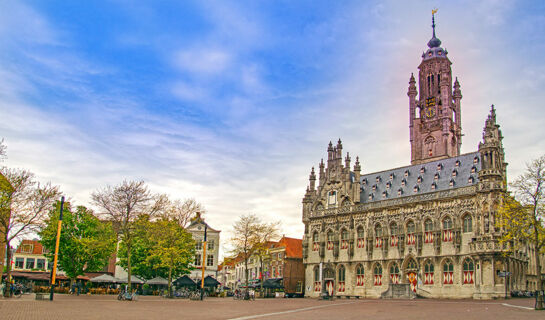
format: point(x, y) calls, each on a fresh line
point(123, 205)
point(142, 264)
point(159, 248)
point(173, 247)
point(522, 214)
point(25, 204)
point(86, 243)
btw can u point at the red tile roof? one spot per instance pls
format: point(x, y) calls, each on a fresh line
point(37, 247)
point(294, 247)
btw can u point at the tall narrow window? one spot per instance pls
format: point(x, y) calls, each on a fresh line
point(447, 229)
point(329, 240)
point(448, 272)
point(428, 272)
point(411, 238)
point(341, 278)
point(469, 271)
point(361, 237)
point(378, 236)
point(210, 260)
point(468, 223)
point(317, 283)
point(315, 242)
point(428, 231)
point(394, 273)
point(360, 273)
point(344, 239)
point(377, 274)
point(393, 235)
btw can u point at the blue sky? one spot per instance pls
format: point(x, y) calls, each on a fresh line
point(232, 102)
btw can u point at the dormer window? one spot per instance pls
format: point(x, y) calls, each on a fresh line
point(473, 169)
point(439, 167)
point(370, 197)
point(422, 170)
point(451, 183)
point(475, 160)
point(364, 181)
point(384, 194)
point(403, 182)
point(399, 191)
point(388, 185)
point(454, 173)
point(419, 180)
point(416, 188)
point(377, 179)
point(436, 177)
point(457, 164)
point(374, 187)
point(406, 173)
point(470, 180)
point(433, 186)
point(392, 176)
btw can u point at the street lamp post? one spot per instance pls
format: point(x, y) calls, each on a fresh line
point(54, 271)
point(203, 263)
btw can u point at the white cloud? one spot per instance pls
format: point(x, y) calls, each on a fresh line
point(202, 61)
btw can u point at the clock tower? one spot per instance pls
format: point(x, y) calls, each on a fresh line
point(435, 119)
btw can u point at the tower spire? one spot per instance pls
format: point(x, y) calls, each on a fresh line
point(433, 12)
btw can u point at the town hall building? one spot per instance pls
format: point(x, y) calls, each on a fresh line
point(430, 225)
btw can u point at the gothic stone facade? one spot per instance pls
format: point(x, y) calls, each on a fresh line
point(430, 224)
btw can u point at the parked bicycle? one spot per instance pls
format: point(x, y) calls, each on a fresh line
point(127, 296)
point(20, 289)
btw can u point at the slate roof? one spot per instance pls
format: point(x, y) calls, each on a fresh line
point(429, 177)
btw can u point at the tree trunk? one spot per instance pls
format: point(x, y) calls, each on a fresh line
point(539, 304)
point(261, 275)
point(8, 268)
point(246, 275)
point(129, 289)
point(170, 282)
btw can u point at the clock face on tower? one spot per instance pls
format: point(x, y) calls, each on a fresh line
point(429, 112)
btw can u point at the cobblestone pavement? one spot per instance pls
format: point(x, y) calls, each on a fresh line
point(107, 307)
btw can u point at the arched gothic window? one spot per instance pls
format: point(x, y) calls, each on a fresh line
point(361, 237)
point(428, 231)
point(317, 282)
point(448, 272)
point(360, 273)
point(341, 278)
point(428, 272)
point(394, 273)
point(411, 228)
point(330, 240)
point(377, 274)
point(315, 242)
point(468, 223)
point(344, 239)
point(393, 235)
point(378, 236)
point(469, 271)
point(447, 229)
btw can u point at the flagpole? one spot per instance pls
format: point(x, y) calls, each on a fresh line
point(203, 262)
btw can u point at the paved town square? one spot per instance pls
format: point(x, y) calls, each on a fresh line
point(107, 307)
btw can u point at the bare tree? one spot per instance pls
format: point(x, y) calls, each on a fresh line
point(245, 237)
point(251, 236)
point(25, 205)
point(267, 232)
point(183, 211)
point(123, 204)
point(523, 214)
